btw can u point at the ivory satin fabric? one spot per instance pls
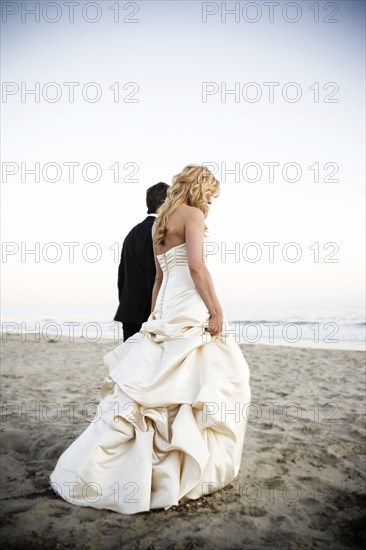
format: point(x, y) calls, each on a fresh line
point(171, 423)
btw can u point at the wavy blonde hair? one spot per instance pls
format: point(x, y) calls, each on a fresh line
point(191, 186)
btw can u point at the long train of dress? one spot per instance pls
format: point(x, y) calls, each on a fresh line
point(171, 423)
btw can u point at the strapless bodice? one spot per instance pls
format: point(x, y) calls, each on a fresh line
point(177, 285)
point(175, 256)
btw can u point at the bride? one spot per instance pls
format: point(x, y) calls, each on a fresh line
point(171, 422)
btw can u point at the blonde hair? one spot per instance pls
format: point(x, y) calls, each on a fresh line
point(191, 186)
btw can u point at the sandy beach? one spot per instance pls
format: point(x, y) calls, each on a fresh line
point(301, 484)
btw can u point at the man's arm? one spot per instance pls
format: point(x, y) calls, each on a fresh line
point(121, 273)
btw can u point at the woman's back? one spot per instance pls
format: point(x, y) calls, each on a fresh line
point(176, 228)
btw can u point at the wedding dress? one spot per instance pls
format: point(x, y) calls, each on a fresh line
point(171, 423)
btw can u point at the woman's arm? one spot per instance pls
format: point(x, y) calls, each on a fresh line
point(194, 232)
point(158, 276)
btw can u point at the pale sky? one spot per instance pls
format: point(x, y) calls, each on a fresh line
point(169, 53)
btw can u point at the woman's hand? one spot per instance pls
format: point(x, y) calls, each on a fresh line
point(214, 324)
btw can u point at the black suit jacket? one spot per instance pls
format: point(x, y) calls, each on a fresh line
point(136, 274)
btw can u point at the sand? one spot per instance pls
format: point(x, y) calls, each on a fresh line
point(301, 484)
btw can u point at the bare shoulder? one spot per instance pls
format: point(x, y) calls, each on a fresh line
point(193, 213)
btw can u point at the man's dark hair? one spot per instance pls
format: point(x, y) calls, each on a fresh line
point(155, 196)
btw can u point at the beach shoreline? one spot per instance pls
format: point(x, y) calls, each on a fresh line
point(39, 335)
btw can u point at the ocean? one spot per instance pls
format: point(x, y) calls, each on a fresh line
point(297, 327)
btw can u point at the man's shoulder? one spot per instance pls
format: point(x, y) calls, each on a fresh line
point(141, 228)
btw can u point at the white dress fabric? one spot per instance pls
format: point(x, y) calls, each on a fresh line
point(171, 423)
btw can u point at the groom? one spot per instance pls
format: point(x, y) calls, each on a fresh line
point(136, 272)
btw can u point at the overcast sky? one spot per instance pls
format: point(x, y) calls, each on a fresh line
point(172, 69)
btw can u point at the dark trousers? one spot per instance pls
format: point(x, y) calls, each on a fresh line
point(129, 329)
